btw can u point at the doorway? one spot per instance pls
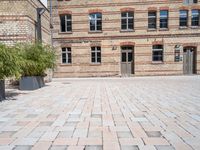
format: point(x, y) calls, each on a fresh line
point(189, 60)
point(127, 60)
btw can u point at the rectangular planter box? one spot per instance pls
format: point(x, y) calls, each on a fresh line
point(2, 90)
point(31, 83)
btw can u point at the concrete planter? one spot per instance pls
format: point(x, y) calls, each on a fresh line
point(2, 90)
point(31, 83)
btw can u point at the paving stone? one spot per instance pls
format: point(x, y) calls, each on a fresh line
point(153, 133)
point(65, 134)
point(7, 134)
point(58, 148)
point(22, 147)
point(164, 147)
point(97, 147)
point(124, 134)
point(80, 133)
point(129, 147)
point(45, 123)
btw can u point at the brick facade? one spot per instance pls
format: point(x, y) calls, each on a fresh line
point(112, 38)
point(18, 19)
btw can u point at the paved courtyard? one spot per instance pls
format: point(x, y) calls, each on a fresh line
point(141, 113)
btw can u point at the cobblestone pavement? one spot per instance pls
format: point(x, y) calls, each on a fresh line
point(141, 113)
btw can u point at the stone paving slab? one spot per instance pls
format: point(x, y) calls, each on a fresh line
point(140, 113)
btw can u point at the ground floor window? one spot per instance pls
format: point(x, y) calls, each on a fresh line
point(157, 54)
point(66, 55)
point(96, 54)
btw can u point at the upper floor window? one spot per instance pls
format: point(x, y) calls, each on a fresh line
point(66, 23)
point(96, 54)
point(164, 19)
point(183, 18)
point(127, 20)
point(157, 54)
point(152, 20)
point(66, 55)
point(190, 1)
point(195, 17)
point(95, 21)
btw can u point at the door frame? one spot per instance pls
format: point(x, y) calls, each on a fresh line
point(133, 59)
point(194, 49)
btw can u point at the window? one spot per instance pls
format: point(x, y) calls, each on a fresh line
point(66, 55)
point(157, 53)
point(95, 22)
point(96, 54)
point(183, 18)
point(66, 23)
point(195, 17)
point(152, 20)
point(190, 2)
point(164, 19)
point(127, 19)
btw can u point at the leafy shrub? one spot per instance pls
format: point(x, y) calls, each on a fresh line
point(36, 59)
point(10, 62)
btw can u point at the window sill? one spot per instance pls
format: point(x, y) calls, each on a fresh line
point(157, 62)
point(182, 28)
point(164, 29)
point(127, 30)
point(151, 30)
point(195, 27)
point(61, 64)
point(65, 32)
point(93, 32)
point(95, 64)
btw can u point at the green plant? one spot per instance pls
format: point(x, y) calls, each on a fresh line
point(10, 62)
point(37, 58)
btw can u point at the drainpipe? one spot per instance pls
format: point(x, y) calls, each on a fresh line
point(40, 11)
point(51, 22)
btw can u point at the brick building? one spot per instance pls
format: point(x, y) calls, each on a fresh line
point(108, 37)
point(20, 21)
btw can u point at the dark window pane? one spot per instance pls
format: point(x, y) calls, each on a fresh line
point(164, 19)
point(99, 59)
point(152, 20)
point(183, 18)
point(64, 55)
point(98, 48)
point(195, 17)
point(93, 55)
point(130, 57)
point(69, 17)
point(99, 16)
point(123, 14)
point(62, 22)
point(130, 14)
point(93, 59)
point(98, 54)
point(123, 57)
point(157, 53)
point(92, 16)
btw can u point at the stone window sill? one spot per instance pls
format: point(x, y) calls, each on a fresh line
point(151, 30)
point(65, 32)
point(157, 62)
point(95, 64)
point(182, 28)
point(93, 32)
point(127, 30)
point(195, 27)
point(61, 64)
point(164, 29)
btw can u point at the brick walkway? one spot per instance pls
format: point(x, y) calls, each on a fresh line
point(147, 113)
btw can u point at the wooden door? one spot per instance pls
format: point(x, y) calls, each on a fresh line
point(127, 61)
point(188, 61)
